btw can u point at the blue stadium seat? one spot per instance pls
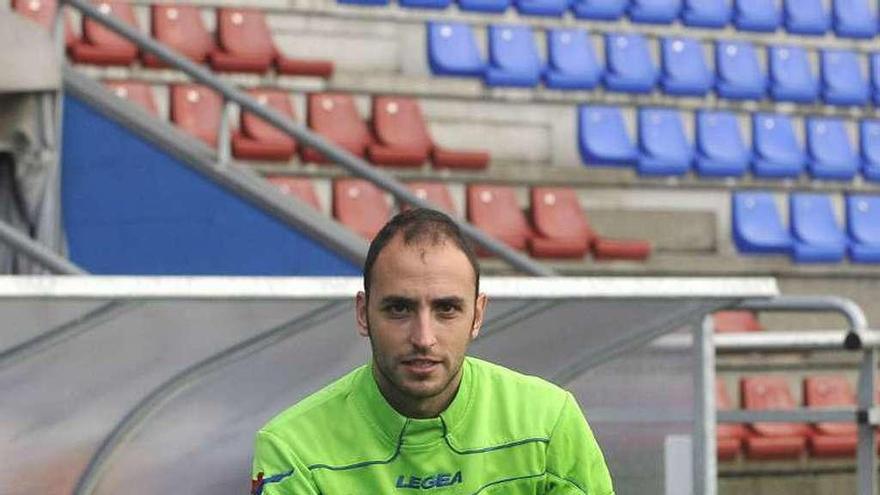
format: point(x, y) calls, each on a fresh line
point(602, 10)
point(777, 152)
point(739, 75)
point(685, 71)
point(550, 8)
point(513, 57)
point(663, 147)
point(791, 75)
point(817, 235)
point(654, 11)
point(863, 227)
point(425, 4)
point(721, 150)
point(875, 77)
point(453, 51)
point(366, 2)
point(603, 138)
point(628, 64)
point(706, 13)
point(571, 60)
point(854, 19)
point(756, 15)
point(869, 139)
point(842, 79)
point(806, 17)
point(484, 5)
point(831, 154)
point(757, 225)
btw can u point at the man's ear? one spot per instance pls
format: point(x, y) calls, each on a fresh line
point(479, 311)
point(360, 304)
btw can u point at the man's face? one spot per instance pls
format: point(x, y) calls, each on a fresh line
point(421, 316)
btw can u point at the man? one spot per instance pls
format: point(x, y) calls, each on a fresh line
point(421, 415)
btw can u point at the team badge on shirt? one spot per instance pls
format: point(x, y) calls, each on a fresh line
point(260, 481)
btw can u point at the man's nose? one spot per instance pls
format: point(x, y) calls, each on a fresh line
point(423, 335)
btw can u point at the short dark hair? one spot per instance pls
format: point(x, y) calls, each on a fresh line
point(420, 225)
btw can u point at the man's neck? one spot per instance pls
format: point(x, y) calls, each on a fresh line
point(417, 408)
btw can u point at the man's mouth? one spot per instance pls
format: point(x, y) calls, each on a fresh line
point(420, 365)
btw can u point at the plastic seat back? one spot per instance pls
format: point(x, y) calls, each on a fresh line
point(550, 8)
point(495, 6)
point(842, 80)
point(685, 71)
point(756, 15)
point(869, 145)
point(735, 321)
point(628, 64)
point(813, 221)
point(830, 151)
point(777, 151)
point(557, 214)
point(791, 75)
point(434, 192)
point(720, 146)
point(830, 391)
point(136, 92)
point(244, 32)
point(654, 11)
point(874, 67)
point(335, 116)
point(495, 210)
point(806, 17)
point(770, 393)
point(571, 60)
point(863, 219)
point(260, 130)
point(854, 19)
point(452, 50)
point(603, 138)
point(197, 110)
point(398, 123)
point(739, 74)
point(605, 10)
point(301, 188)
point(513, 57)
point(43, 13)
point(181, 28)
point(665, 150)
point(97, 35)
point(360, 206)
point(706, 13)
point(757, 224)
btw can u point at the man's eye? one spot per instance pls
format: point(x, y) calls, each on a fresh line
point(397, 309)
point(447, 309)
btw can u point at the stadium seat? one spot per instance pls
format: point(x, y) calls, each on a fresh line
point(842, 79)
point(136, 92)
point(831, 439)
point(735, 321)
point(854, 19)
point(831, 154)
point(628, 64)
point(197, 110)
point(101, 46)
point(494, 210)
point(756, 15)
point(806, 17)
point(729, 436)
point(563, 231)
point(402, 138)
point(246, 45)
point(757, 225)
point(549, 8)
point(180, 27)
point(484, 5)
point(685, 71)
point(360, 206)
point(869, 133)
point(603, 138)
point(365, 2)
point(663, 147)
point(601, 10)
point(513, 57)
point(772, 440)
point(300, 187)
point(453, 51)
point(739, 75)
point(720, 148)
point(654, 11)
point(777, 152)
point(335, 117)
point(818, 237)
point(425, 4)
point(43, 13)
point(434, 192)
point(571, 60)
point(863, 227)
point(256, 139)
point(791, 75)
point(706, 13)
point(875, 77)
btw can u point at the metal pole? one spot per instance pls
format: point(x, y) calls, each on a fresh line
point(705, 464)
point(866, 459)
point(37, 252)
point(353, 164)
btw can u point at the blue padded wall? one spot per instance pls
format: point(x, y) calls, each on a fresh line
point(131, 208)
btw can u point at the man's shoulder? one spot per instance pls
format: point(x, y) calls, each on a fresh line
point(495, 379)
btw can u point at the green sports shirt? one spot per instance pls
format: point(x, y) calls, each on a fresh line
point(503, 433)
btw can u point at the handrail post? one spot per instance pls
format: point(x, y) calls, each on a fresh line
point(705, 463)
point(224, 151)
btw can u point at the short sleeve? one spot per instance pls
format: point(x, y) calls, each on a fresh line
point(575, 464)
point(276, 471)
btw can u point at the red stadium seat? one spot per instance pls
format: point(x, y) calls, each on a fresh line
point(435, 192)
point(256, 139)
point(404, 140)
point(565, 231)
point(100, 45)
point(136, 92)
point(197, 110)
point(360, 206)
point(301, 188)
point(831, 439)
point(335, 117)
point(494, 209)
point(729, 436)
point(737, 320)
point(772, 440)
point(43, 12)
point(180, 27)
point(246, 45)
